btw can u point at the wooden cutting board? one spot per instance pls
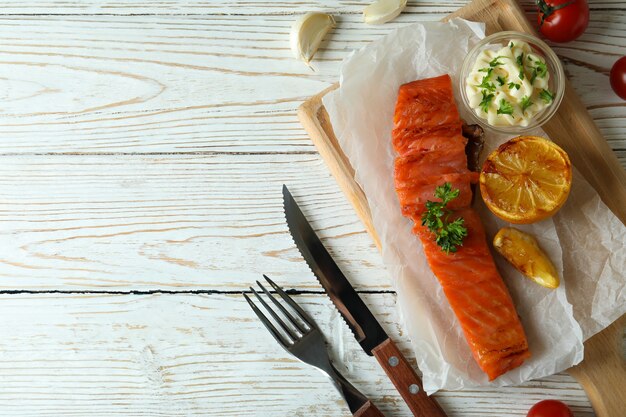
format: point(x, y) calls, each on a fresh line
point(603, 371)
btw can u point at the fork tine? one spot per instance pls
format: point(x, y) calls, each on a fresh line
point(303, 315)
point(268, 325)
point(282, 324)
point(293, 321)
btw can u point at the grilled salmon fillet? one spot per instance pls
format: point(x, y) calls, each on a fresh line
point(427, 137)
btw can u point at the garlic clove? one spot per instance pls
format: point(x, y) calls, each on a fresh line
point(307, 33)
point(382, 11)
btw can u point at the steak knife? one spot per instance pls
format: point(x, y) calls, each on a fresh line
point(366, 329)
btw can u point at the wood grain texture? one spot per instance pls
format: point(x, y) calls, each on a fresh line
point(229, 7)
point(228, 83)
point(137, 84)
point(316, 122)
point(604, 366)
point(170, 222)
point(198, 355)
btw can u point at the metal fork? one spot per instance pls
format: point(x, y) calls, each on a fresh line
point(305, 342)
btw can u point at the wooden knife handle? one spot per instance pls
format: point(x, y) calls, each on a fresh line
point(408, 384)
point(368, 410)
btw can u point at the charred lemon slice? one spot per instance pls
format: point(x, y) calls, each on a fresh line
point(526, 179)
point(524, 253)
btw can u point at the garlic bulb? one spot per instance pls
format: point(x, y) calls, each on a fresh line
point(307, 33)
point(383, 11)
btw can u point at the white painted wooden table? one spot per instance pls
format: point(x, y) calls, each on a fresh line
point(143, 147)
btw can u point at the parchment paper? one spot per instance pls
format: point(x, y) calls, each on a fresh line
point(584, 240)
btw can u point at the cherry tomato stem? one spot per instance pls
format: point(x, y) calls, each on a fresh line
point(562, 20)
point(546, 10)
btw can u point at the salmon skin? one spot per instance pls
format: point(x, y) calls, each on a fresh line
point(427, 137)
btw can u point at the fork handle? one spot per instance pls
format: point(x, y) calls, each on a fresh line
point(352, 395)
point(368, 410)
point(408, 384)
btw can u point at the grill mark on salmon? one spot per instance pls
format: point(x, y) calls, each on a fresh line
point(430, 147)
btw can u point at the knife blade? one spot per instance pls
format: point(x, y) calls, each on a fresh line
point(366, 329)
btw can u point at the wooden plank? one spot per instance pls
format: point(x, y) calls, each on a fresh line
point(603, 371)
point(249, 7)
point(161, 355)
point(133, 222)
point(195, 221)
point(102, 84)
point(126, 222)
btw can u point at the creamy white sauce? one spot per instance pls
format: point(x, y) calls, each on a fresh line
point(504, 92)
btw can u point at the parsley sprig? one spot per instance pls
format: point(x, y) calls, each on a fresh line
point(486, 84)
point(448, 235)
point(541, 70)
point(505, 107)
point(486, 101)
point(495, 63)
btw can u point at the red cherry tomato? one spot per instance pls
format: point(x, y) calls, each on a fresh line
point(562, 20)
point(618, 77)
point(549, 408)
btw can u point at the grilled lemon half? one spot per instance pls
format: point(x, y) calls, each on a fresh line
point(526, 179)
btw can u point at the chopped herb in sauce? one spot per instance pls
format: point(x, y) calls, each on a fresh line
point(505, 107)
point(494, 62)
point(513, 85)
point(505, 85)
point(542, 69)
point(546, 96)
point(484, 104)
point(486, 84)
point(525, 103)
